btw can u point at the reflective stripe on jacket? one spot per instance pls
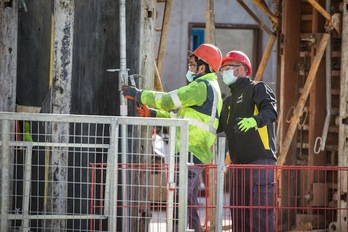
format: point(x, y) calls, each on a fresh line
point(200, 102)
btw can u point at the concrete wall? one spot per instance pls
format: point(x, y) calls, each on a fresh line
point(226, 12)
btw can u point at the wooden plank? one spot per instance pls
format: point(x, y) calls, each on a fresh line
point(265, 57)
point(164, 34)
point(28, 109)
point(210, 23)
point(264, 8)
point(321, 10)
point(8, 79)
point(254, 16)
point(343, 115)
point(64, 15)
point(34, 42)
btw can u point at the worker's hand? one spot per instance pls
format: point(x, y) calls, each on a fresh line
point(27, 135)
point(145, 111)
point(131, 93)
point(244, 124)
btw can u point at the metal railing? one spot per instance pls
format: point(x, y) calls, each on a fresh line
point(87, 173)
point(48, 171)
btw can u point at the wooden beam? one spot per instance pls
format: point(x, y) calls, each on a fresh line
point(343, 118)
point(321, 10)
point(164, 34)
point(265, 57)
point(8, 55)
point(343, 108)
point(273, 18)
point(64, 16)
point(210, 23)
point(157, 83)
point(257, 19)
point(210, 37)
point(28, 109)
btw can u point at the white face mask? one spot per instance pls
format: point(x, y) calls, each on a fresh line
point(228, 77)
point(190, 75)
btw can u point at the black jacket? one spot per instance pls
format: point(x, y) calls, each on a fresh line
point(250, 99)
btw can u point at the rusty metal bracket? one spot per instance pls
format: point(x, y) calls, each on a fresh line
point(290, 111)
point(302, 119)
point(311, 39)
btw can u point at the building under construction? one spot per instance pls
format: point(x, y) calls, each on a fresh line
point(62, 63)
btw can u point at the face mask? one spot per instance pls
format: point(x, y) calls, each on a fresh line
point(190, 75)
point(228, 77)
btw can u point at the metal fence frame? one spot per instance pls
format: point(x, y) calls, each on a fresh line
point(117, 125)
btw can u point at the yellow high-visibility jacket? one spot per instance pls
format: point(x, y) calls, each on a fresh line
point(200, 102)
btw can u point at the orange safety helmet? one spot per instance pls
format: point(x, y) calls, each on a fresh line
point(239, 57)
point(210, 54)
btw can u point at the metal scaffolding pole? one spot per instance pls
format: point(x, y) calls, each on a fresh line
point(123, 80)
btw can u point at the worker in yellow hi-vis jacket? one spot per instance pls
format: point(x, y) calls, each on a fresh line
point(200, 102)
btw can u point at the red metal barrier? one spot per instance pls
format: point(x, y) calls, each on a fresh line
point(311, 198)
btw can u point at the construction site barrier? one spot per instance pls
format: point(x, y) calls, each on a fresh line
point(88, 173)
point(94, 173)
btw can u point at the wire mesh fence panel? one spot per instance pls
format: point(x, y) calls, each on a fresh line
point(90, 173)
point(150, 186)
point(46, 161)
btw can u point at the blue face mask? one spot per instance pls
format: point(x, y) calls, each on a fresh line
point(228, 77)
point(190, 75)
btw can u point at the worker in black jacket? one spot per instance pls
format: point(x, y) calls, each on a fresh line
point(247, 119)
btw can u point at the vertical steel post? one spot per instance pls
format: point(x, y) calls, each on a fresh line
point(171, 184)
point(123, 74)
point(183, 166)
point(220, 184)
point(26, 187)
point(112, 175)
point(123, 80)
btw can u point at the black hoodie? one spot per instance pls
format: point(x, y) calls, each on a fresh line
point(249, 99)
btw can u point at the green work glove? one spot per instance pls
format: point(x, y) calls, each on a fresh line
point(27, 135)
point(244, 124)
